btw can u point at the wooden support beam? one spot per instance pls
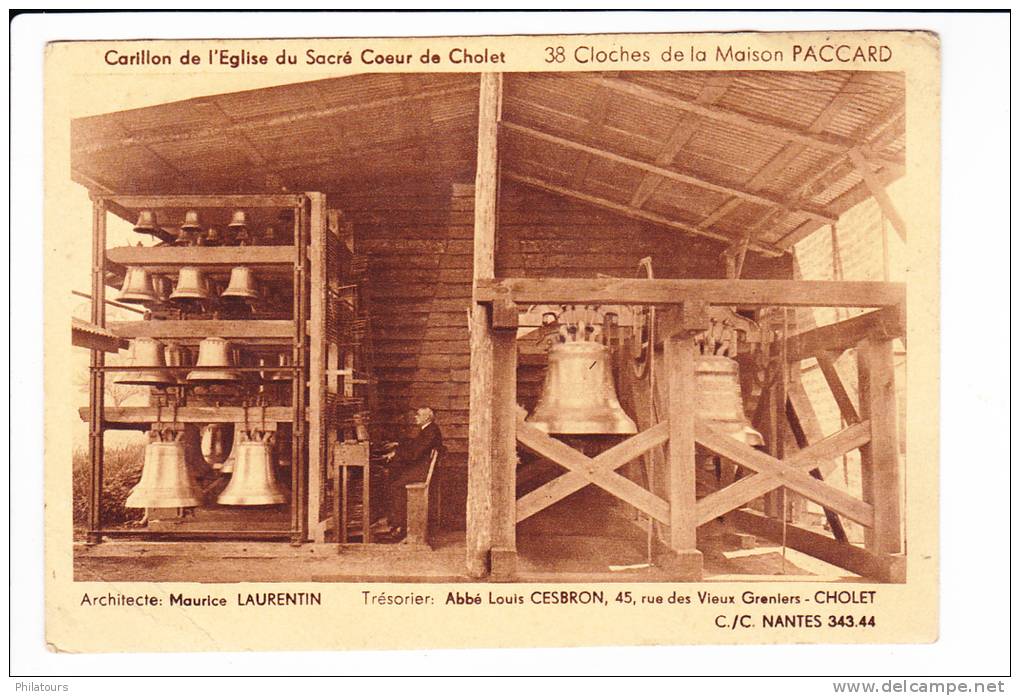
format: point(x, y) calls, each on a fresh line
point(556, 451)
point(278, 200)
point(804, 424)
point(744, 293)
point(141, 415)
point(819, 455)
point(204, 328)
point(318, 441)
point(598, 109)
point(480, 429)
point(574, 480)
point(680, 357)
point(170, 259)
point(770, 129)
point(827, 364)
point(97, 360)
point(883, 568)
point(781, 473)
point(843, 202)
point(628, 211)
point(668, 174)
point(265, 123)
point(878, 191)
point(714, 88)
point(880, 466)
point(504, 450)
point(888, 322)
point(790, 152)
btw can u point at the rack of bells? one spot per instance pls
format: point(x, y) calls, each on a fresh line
point(236, 405)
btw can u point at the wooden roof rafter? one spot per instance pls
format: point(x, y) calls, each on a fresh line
point(215, 112)
point(670, 174)
point(713, 90)
point(631, 212)
point(791, 151)
point(268, 122)
point(876, 136)
point(827, 143)
point(597, 117)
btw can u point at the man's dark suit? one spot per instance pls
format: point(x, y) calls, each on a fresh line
point(410, 465)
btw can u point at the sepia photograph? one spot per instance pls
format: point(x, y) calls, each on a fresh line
point(615, 326)
point(560, 343)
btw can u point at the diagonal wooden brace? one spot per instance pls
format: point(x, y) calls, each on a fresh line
point(583, 470)
point(789, 473)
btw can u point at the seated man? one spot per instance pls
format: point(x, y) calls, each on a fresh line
point(409, 463)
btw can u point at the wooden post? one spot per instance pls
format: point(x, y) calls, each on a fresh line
point(317, 445)
point(298, 519)
point(96, 377)
point(880, 469)
point(680, 357)
point(504, 454)
point(878, 191)
point(773, 441)
point(479, 495)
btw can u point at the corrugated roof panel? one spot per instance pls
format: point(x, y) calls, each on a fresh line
point(837, 188)
point(244, 105)
point(675, 195)
point(792, 99)
point(796, 172)
point(726, 154)
point(685, 84)
point(363, 88)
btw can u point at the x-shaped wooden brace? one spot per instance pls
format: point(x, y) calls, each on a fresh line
point(791, 472)
point(583, 470)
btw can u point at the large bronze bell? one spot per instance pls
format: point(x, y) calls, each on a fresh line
point(191, 286)
point(166, 481)
point(253, 481)
point(147, 353)
point(137, 287)
point(217, 439)
point(214, 352)
point(578, 396)
point(718, 398)
point(241, 286)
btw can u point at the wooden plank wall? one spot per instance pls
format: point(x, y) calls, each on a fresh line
point(419, 251)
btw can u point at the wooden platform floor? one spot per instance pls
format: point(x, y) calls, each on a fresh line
point(585, 538)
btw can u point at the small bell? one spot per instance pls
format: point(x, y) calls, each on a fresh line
point(191, 221)
point(241, 286)
point(147, 353)
point(147, 223)
point(138, 287)
point(238, 220)
point(212, 237)
point(252, 481)
point(191, 287)
point(217, 439)
point(189, 229)
point(214, 352)
point(166, 481)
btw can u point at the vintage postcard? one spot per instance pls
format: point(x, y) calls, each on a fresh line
point(513, 341)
